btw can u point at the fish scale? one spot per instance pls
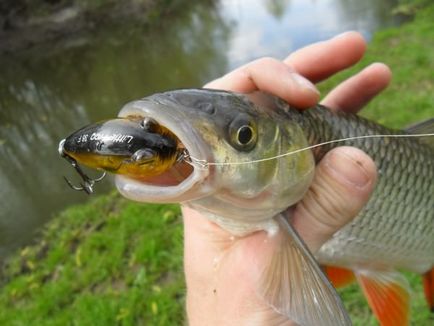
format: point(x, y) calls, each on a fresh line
point(396, 227)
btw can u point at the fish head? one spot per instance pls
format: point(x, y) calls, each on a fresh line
point(233, 164)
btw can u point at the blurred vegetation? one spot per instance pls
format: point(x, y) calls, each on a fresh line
point(115, 262)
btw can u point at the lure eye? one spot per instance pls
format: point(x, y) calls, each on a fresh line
point(143, 156)
point(242, 132)
point(148, 123)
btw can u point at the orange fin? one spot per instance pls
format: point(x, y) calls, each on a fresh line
point(388, 296)
point(339, 276)
point(428, 282)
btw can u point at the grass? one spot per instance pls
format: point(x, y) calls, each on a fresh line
point(114, 262)
point(110, 262)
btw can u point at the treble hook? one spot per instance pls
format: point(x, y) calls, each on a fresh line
point(183, 155)
point(88, 183)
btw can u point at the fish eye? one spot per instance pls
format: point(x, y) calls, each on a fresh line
point(242, 133)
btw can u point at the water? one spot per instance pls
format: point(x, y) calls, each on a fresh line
point(50, 91)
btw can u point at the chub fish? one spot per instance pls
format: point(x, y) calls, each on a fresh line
point(242, 161)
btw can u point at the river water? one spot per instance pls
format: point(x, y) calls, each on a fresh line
point(52, 90)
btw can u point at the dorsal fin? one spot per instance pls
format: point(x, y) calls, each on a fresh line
point(424, 127)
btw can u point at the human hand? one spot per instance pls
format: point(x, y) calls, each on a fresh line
point(222, 273)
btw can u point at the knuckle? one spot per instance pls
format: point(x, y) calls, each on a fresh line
point(267, 61)
point(331, 206)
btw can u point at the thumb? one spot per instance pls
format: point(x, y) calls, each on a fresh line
point(343, 182)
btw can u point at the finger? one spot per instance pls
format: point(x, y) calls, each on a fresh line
point(319, 61)
point(342, 185)
point(357, 91)
point(271, 76)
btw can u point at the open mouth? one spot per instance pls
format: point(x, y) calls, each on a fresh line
point(181, 180)
point(175, 175)
point(163, 161)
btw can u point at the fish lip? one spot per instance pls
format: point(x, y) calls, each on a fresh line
point(168, 114)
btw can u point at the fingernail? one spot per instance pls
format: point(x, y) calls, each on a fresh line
point(348, 168)
point(303, 82)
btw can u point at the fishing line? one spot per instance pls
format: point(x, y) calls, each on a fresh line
point(203, 163)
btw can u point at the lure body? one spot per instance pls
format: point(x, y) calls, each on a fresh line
point(127, 146)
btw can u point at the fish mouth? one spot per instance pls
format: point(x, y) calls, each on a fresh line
point(183, 181)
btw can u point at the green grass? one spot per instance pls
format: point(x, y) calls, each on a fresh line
point(105, 263)
point(114, 262)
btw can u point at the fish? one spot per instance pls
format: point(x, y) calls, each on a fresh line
point(247, 158)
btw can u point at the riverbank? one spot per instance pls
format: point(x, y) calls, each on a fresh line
point(112, 261)
point(25, 25)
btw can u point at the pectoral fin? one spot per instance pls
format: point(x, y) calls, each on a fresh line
point(295, 286)
point(388, 296)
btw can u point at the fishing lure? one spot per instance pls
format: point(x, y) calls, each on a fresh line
point(133, 146)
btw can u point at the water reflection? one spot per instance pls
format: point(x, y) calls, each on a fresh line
point(33, 118)
point(277, 27)
point(52, 91)
point(46, 96)
point(276, 8)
